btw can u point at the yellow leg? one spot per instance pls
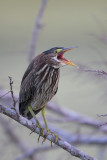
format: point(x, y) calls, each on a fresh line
point(43, 115)
point(37, 122)
point(46, 126)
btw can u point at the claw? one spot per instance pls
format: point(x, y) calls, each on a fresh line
point(32, 131)
point(44, 139)
point(56, 137)
point(51, 144)
point(48, 131)
point(38, 138)
point(40, 130)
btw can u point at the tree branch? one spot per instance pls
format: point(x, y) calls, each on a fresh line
point(11, 90)
point(74, 116)
point(60, 142)
point(12, 135)
point(94, 72)
point(68, 114)
point(37, 26)
point(80, 139)
point(28, 152)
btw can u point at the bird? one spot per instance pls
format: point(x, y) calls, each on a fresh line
point(40, 83)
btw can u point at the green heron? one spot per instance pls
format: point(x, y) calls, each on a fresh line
point(40, 82)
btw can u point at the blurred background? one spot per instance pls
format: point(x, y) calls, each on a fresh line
point(65, 23)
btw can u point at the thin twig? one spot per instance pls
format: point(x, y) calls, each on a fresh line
point(37, 26)
point(95, 72)
point(11, 90)
point(60, 142)
point(102, 115)
point(12, 95)
point(98, 72)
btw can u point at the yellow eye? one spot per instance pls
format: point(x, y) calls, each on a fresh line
point(57, 51)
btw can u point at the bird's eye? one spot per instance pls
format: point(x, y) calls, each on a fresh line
point(55, 52)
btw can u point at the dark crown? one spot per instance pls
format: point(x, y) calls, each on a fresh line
point(52, 50)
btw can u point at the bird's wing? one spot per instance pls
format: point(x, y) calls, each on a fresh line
point(27, 85)
point(27, 88)
point(27, 72)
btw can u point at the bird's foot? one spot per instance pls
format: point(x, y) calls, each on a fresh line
point(41, 130)
point(50, 132)
point(56, 137)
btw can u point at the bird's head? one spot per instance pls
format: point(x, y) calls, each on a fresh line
point(55, 57)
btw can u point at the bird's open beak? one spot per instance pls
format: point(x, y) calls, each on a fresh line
point(61, 57)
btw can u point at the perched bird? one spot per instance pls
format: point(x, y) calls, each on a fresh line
point(40, 82)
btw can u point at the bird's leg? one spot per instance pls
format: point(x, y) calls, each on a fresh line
point(43, 115)
point(46, 125)
point(37, 122)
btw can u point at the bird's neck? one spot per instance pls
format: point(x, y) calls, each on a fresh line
point(55, 68)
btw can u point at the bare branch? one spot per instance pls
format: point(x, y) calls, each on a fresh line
point(80, 139)
point(27, 152)
point(73, 116)
point(60, 142)
point(98, 72)
point(11, 90)
point(95, 72)
point(102, 115)
point(88, 139)
point(68, 114)
point(37, 26)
